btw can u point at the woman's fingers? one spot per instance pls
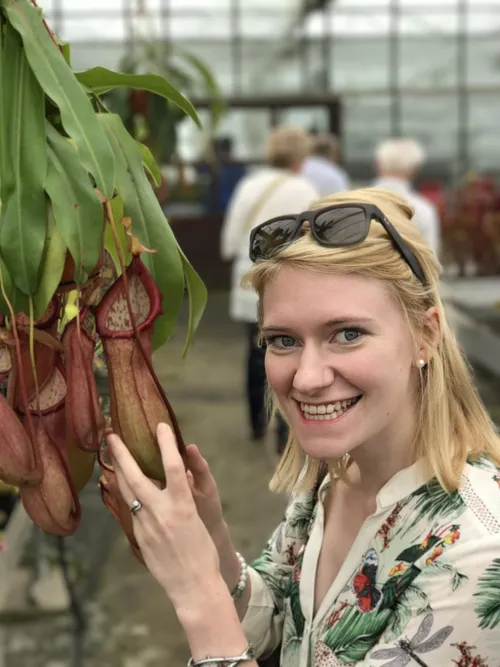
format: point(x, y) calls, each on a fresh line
point(173, 464)
point(200, 470)
point(132, 481)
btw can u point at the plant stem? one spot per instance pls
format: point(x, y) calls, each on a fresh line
point(52, 37)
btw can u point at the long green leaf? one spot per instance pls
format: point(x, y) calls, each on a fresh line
point(148, 223)
point(150, 163)
point(53, 267)
point(3, 127)
point(101, 80)
point(59, 83)
point(23, 218)
point(77, 208)
point(217, 106)
point(18, 301)
point(197, 299)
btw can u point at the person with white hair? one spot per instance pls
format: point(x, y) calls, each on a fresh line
point(398, 162)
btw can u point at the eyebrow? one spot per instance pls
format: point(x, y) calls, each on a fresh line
point(327, 325)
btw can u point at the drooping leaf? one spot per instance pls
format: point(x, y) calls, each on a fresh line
point(102, 80)
point(60, 85)
point(77, 208)
point(53, 267)
point(197, 293)
point(161, 126)
point(209, 82)
point(18, 300)
point(3, 129)
point(23, 222)
point(150, 164)
point(149, 223)
point(65, 50)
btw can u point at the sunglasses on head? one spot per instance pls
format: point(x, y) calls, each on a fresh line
point(333, 227)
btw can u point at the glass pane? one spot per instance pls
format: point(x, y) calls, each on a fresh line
point(484, 138)
point(93, 29)
point(418, 22)
point(312, 119)
point(366, 121)
point(483, 22)
point(254, 61)
point(281, 78)
point(433, 121)
point(359, 64)
point(179, 5)
point(437, 69)
point(483, 61)
point(370, 23)
point(419, 3)
point(206, 23)
point(264, 24)
point(94, 54)
point(46, 6)
point(89, 6)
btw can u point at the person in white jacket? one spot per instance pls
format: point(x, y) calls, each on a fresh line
point(398, 162)
point(277, 188)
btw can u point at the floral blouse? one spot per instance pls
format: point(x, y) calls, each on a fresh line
point(420, 586)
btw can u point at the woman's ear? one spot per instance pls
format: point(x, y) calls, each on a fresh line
point(431, 333)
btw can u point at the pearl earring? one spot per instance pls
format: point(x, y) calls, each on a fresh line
point(421, 363)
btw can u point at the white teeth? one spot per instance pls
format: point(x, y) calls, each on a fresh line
point(326, 412)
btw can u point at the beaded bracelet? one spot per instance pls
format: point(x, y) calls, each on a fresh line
point(247, 655)
point(237, 591)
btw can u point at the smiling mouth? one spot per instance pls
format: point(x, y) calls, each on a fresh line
point(327, 411)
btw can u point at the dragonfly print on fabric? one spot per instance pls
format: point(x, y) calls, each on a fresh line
point(409, 651)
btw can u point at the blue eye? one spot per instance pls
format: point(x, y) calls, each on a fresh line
point(280, 342)
point(351, 335)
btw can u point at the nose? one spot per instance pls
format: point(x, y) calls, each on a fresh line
point(314, 372)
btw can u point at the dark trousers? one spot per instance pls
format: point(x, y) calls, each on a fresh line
point(256, 391)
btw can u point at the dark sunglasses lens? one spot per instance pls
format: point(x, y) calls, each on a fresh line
point(342, 226)
point(269, 238)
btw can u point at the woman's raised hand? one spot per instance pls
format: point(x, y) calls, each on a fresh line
point(172, 527)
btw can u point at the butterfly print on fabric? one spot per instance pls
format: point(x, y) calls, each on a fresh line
point(363, 584)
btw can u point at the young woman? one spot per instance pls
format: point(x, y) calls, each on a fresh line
point(389, 554)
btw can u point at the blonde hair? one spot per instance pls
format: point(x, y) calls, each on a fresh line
point(453, 424)
point(287, 146)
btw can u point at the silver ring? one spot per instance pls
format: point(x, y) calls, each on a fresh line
point(136, 506)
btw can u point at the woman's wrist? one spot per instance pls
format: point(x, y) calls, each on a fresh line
point(210, 621)
point(220, 536)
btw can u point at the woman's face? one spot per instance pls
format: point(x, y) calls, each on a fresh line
point(341, 362)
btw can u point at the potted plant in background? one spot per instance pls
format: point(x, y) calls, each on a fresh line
point(154, 119)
